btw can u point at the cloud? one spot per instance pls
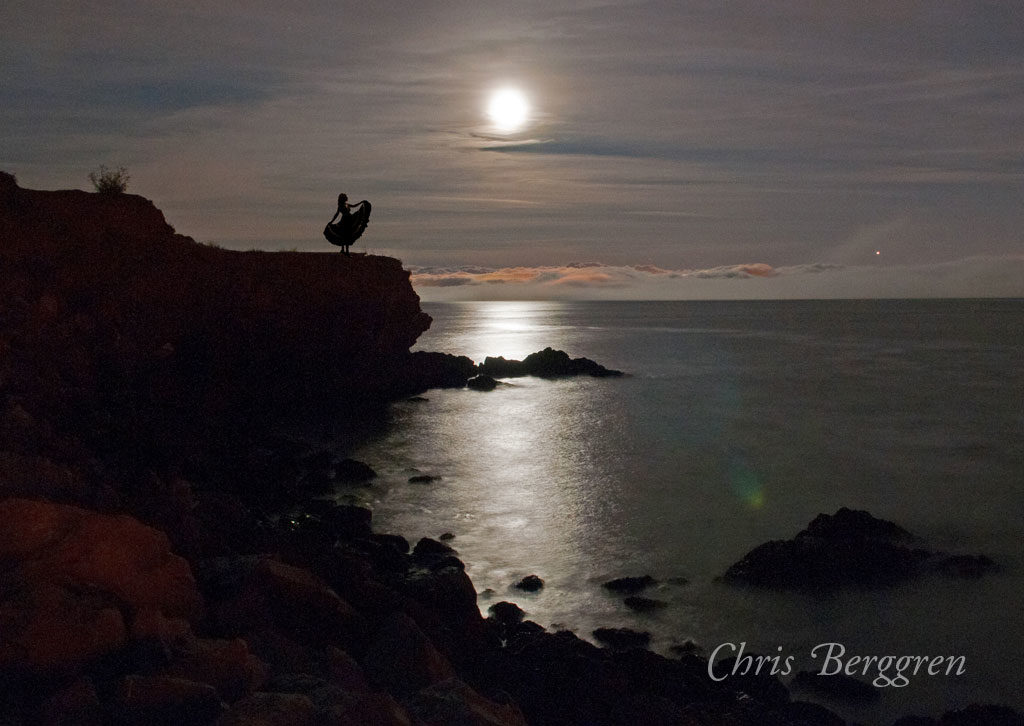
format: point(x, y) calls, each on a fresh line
point(757, 269)
point(974, 277)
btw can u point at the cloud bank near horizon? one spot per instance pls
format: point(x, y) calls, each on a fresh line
point(973, 277)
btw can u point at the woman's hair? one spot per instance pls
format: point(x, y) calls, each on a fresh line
point(342, 198)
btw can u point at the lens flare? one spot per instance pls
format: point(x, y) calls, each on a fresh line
point(746, 484)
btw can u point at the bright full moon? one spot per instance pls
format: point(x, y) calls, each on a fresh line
point(508, 109)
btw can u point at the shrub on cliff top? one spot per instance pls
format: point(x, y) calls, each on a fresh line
point(109, 181)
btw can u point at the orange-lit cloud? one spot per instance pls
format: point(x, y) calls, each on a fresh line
point(758, 280)
point(577, 274)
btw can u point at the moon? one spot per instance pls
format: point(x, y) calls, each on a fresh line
point(508, 109)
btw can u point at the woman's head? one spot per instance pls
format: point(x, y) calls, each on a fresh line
point(342, 198)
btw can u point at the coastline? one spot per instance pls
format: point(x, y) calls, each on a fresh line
point(168, 557)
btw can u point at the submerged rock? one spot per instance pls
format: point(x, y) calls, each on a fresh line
point(848, 548)
point(644, 604)
point(630, 585)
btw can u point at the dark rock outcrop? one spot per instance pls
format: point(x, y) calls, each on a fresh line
point(547, 363)
point(422, 370)
point(128, 347)
point(848, 548)
point(530, 583)
point(482, 382)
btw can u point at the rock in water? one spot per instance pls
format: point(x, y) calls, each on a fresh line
point(530, 583)
point(547, 363)
point(482, 383)
point(507, 613)
point(630, 585)
point(644, 604)
point(848, 548)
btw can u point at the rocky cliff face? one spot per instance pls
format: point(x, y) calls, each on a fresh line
point(124, 340)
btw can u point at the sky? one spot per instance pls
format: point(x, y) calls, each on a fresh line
point(799, 148)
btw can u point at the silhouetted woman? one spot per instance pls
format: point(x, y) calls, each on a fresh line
point(350, 226)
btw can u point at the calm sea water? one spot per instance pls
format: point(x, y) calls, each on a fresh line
point(739, 423)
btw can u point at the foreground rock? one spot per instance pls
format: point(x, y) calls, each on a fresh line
point(76, 581)
point(849, 548)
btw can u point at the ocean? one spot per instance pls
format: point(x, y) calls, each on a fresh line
point(738, 423)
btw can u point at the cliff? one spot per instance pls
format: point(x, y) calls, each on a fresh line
point(124, 341)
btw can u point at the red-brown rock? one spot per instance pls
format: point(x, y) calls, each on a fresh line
point(77, 578)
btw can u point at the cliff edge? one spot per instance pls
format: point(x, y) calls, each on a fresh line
point(121, 338)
